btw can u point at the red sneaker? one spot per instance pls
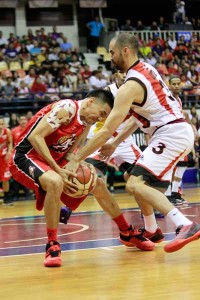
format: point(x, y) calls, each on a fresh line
point(53, 253)
point(135, 238)
point(155, 237)
point(185, 235)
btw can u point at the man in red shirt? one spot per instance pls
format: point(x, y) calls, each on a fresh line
point(16, 186)
point(5, 151)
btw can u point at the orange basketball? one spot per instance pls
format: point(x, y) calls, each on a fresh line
point(85, 180)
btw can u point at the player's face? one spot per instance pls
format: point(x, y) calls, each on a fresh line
point(175, 86)
point(96, 112)
point(23, 121)
point(117, 58)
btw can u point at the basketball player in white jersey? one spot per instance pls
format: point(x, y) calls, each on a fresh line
point(172, 192)
point(156, 112)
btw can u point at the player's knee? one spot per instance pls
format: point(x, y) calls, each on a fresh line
point(55, 183)
point(133, 185)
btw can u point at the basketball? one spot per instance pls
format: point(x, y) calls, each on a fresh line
point(85, 180)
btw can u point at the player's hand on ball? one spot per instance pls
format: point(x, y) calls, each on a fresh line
point(106, 150)
point(72, 166)
point(69, 187)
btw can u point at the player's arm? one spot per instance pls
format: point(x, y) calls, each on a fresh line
point(107, 149)
point(48, 124)
point(127, 93)
point(79, 143)
point(128, 129)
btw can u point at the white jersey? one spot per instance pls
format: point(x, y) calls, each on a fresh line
point(127, 151)
point(159, 106)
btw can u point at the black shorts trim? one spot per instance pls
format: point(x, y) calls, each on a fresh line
point(149, 178)
point(98, 164)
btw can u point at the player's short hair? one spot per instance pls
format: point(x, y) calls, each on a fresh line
point(127, 40)
point(103, 96)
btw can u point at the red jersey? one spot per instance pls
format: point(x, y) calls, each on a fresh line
point(4, 142)
point(61, 140)
point(16, 132)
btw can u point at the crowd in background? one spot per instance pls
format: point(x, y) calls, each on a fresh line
point(43, 66)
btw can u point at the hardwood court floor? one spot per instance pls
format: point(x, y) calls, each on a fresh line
point(95, 265)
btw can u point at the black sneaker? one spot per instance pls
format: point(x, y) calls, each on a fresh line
point(134, 238)
point(155, 237)
point(65, 213)
point(174, 201)
point(179, 198)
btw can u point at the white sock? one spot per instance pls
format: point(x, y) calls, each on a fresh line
point(175, 186)
point(178, 218)
point(150, 223)
point(168, 192)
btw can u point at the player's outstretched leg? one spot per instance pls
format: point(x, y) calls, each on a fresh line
point(184, 235)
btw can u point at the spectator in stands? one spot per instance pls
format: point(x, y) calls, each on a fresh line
point(65, 45)
point(179, 13)
point(23, 91)
point(180, 52)
point(43, 35)
point(127, 26)
point(95, 28)
point(86, 72)
point(54, 54)
point(11, 54)
point(35, 50)
point(29, 115)
point(30, 35)
point(172, 42)
point(112, 26)
point(54, 69)
point(53, 92)
point(151, 59)
point(38, 89)
point(145, 50)
point(96, 82)
point(8, 90)
point(139, 26)
point(162, 25)
point(82, 85)
point(75, 63)
point(54, 33)
point(30, 77)
point(154, 26)
point(46, 64)
point(13, 121)
point(24, 54)
point(65, 88)
point(158, 49)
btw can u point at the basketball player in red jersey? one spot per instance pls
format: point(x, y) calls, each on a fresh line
point(45, 147)
point(5, 152)
point(156, 112)
point(17, 130)
point(15, 187)
point(42, 150)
